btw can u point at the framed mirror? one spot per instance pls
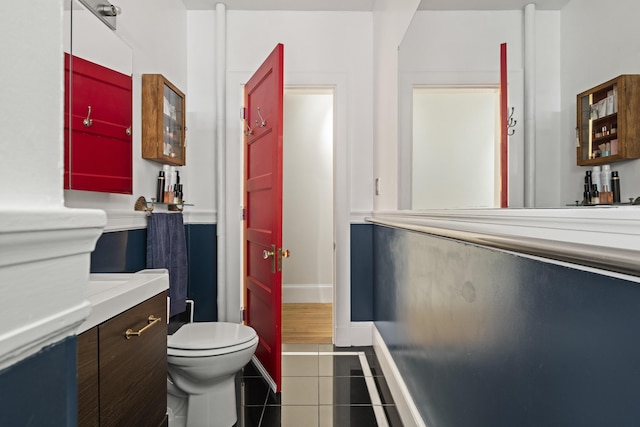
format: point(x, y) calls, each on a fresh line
point(449, 110)
point(98, 104)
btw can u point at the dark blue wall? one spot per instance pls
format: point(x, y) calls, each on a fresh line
point(488, 338)
point(41, 390)
point(361, 272)
point(203, 270)
point(125, 252)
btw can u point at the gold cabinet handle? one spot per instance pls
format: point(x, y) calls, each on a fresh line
point(152, 321)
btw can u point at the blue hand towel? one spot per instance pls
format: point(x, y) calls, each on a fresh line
point(167, 248)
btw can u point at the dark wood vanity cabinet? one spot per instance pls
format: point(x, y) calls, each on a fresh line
point(123, 382)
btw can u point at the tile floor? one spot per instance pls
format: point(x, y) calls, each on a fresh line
point(322, 386)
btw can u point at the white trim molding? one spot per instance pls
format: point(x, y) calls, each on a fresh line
point(321, 293)
point(405, 405)
point(607, 238)
point(44, 273)
point(359, 217)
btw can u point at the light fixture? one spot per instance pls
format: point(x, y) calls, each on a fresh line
point(109, 10)
point(104, 10)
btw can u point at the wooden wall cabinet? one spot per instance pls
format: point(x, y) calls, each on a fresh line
point(163, 121)
point(123, 382)
point(608, 129)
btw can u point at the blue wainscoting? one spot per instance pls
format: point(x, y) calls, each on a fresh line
point(488, 338)
point(125, 252)
point(41, 390)
point(361, 272)
point(203, 271)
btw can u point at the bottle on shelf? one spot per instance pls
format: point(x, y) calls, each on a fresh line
point(160, 187)
point(615, 186)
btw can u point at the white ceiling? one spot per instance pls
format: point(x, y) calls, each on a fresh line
point(490, 4)
point(367, 5)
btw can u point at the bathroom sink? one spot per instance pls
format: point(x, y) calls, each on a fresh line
point(112, 293)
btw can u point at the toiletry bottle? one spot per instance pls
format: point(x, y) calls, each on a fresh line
point(615, 186)
point(167, 183)
point(177, 194)
point(595, 195)
point(595, 177)
point(605, 177)
point(160, 187)
point(587, 195)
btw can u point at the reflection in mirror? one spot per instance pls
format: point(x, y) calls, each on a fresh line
point(449, 112)
point(92, 44)
point(455, 147)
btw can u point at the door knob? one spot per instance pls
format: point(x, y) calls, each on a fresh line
point(266, 254)
point(286, 253)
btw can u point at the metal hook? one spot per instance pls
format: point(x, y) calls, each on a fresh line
point(88, 122)
point(511, 123)
point(248, 131)
point(263, 123)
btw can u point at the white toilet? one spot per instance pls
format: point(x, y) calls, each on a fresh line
point(203, 359)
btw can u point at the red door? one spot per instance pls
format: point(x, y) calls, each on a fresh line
point(263, 100)
point(504, 137)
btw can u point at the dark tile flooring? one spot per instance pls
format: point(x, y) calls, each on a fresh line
point(322, 385)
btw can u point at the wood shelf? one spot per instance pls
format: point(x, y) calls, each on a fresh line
point(614, 104)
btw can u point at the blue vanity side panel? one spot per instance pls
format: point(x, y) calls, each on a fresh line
point(361, 272)
point(126, 252)
point(42, 389)
point(203, 271)
point(488, 338)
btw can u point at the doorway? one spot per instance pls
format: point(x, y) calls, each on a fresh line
point(308, 215)
point(456, 147)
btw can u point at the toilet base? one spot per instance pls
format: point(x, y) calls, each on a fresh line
point(217, 408)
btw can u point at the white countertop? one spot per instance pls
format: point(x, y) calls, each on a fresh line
point(113, 293)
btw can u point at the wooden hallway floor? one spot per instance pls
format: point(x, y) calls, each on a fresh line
point(307, 323)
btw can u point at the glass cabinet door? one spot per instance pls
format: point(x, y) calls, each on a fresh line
point(163, 121)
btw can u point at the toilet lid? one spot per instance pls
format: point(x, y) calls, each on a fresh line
point(210, 335)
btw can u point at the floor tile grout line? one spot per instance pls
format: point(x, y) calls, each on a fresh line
point(378, 411)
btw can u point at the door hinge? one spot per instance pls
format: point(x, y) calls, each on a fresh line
point(243, 314)
point(243, 113)
point(243, 214)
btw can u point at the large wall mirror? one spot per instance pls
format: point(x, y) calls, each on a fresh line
point(449, 110)
point(98, 114)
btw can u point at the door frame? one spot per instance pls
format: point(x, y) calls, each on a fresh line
point(342, 335)
point(342, 328)
point(292, 88)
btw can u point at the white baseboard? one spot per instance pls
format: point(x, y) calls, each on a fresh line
point(356, 334)
point(404, 402)
point(307, 293)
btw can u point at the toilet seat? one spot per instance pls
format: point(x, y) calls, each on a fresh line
point(203, 339)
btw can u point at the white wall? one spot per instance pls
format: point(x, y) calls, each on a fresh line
point(307, 205)
point(30, 109)
point(156, 33)
point(44, 247)
point(321, 48)
point(390, 21)
point(589, 58)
